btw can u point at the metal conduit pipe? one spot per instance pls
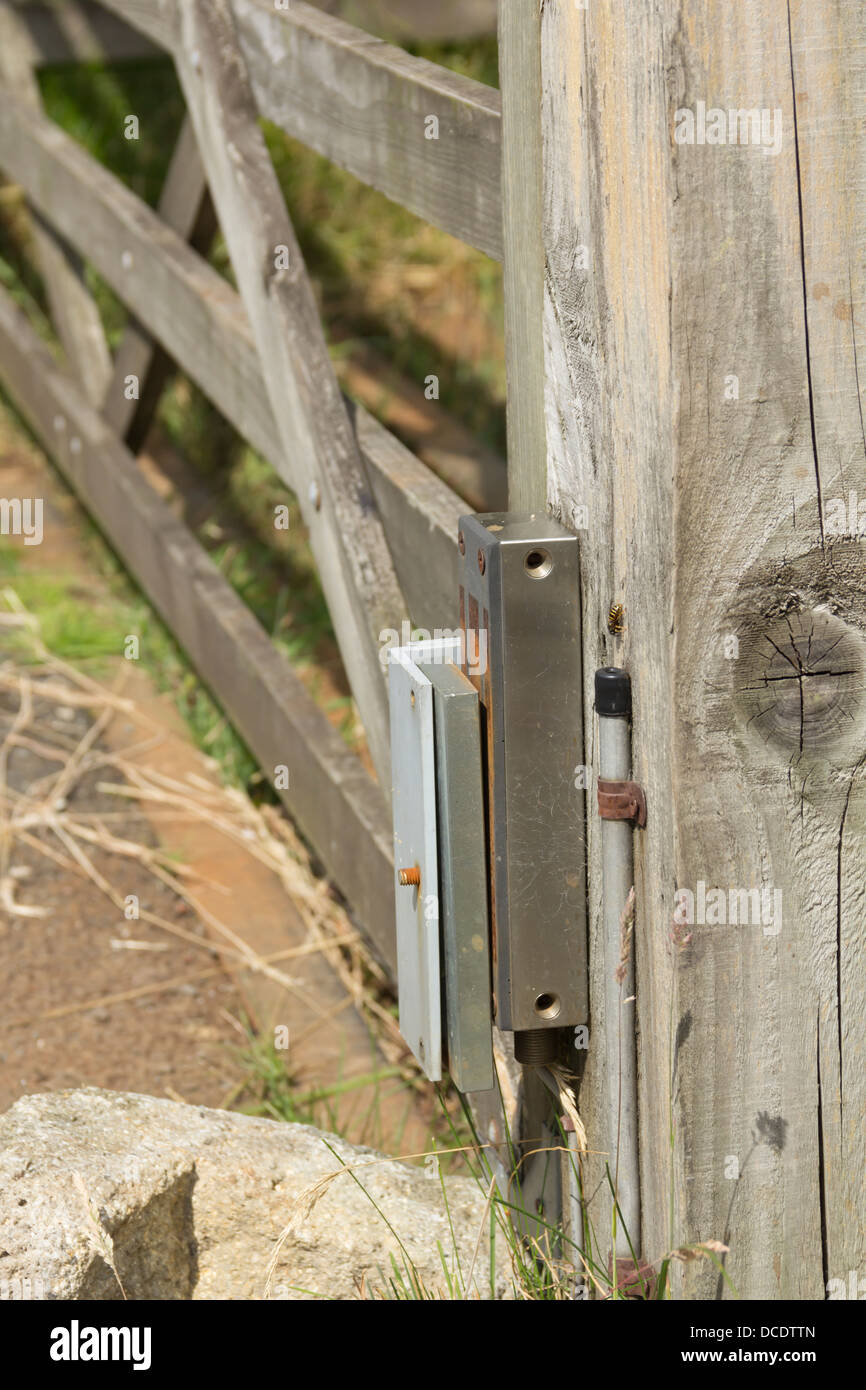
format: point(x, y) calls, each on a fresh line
point(613, 707)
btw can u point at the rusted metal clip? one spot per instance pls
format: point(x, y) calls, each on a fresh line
point(621, 801)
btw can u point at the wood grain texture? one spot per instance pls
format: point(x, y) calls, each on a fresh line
point(336, 803)
point(364, 104)
point(522, 210)
point(709, 513)
point(156, 19)
point(200, 322)
point(345, 530)
point(415, 20)
point(71, 305)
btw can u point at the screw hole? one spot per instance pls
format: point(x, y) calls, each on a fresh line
point(548, 1005)
point(538, 564)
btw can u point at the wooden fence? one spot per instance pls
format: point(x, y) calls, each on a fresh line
point(259, 355)
point(684, 333)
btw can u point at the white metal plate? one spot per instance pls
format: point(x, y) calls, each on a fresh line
point(413, 771)
point(462, 851)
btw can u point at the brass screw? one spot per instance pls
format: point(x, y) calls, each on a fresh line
point(409, 878)
point(482, 563)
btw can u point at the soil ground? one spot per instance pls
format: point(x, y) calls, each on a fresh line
point(179, 1041)
point(92, 998)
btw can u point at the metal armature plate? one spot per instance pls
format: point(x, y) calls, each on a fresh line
point(463, 909)
point(520, 584)
point(413, 773)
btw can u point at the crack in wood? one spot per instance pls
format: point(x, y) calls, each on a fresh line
point(808, 354)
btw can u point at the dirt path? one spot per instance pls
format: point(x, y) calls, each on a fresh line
point(64, 966)
point(95, 996)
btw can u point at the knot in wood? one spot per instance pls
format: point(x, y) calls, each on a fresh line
point(800, 680)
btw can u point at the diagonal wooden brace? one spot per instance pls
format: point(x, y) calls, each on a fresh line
point(346, 532)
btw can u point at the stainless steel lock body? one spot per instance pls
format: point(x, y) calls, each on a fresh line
point(520, 609)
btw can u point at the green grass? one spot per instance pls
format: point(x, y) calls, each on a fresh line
point(278, 1095)
point(88, 628)
point(357, 245)
point(91, 100)
point(272, 570)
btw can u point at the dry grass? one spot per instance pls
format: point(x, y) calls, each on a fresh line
point(44, 819)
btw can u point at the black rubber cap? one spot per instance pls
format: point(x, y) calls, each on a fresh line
point(613, 691)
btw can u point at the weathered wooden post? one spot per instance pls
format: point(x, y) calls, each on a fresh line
point(686, 325)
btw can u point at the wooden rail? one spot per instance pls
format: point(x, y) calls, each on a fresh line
point(373, 509)
point(334, 801)
point(367, 106)
point(78, 31)
point(201, 322)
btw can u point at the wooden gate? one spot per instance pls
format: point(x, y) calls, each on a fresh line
point(685, 326)
point(372, 507)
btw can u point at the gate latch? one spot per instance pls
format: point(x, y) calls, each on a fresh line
point(489, 812)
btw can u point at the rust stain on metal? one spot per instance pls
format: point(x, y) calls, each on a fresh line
point(621, 801)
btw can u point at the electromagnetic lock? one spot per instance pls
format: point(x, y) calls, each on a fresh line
point(440, 862)
point(489, 817)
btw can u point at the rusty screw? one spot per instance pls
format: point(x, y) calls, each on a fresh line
point(409, 878)
point(461, 543)
point(482, 563)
